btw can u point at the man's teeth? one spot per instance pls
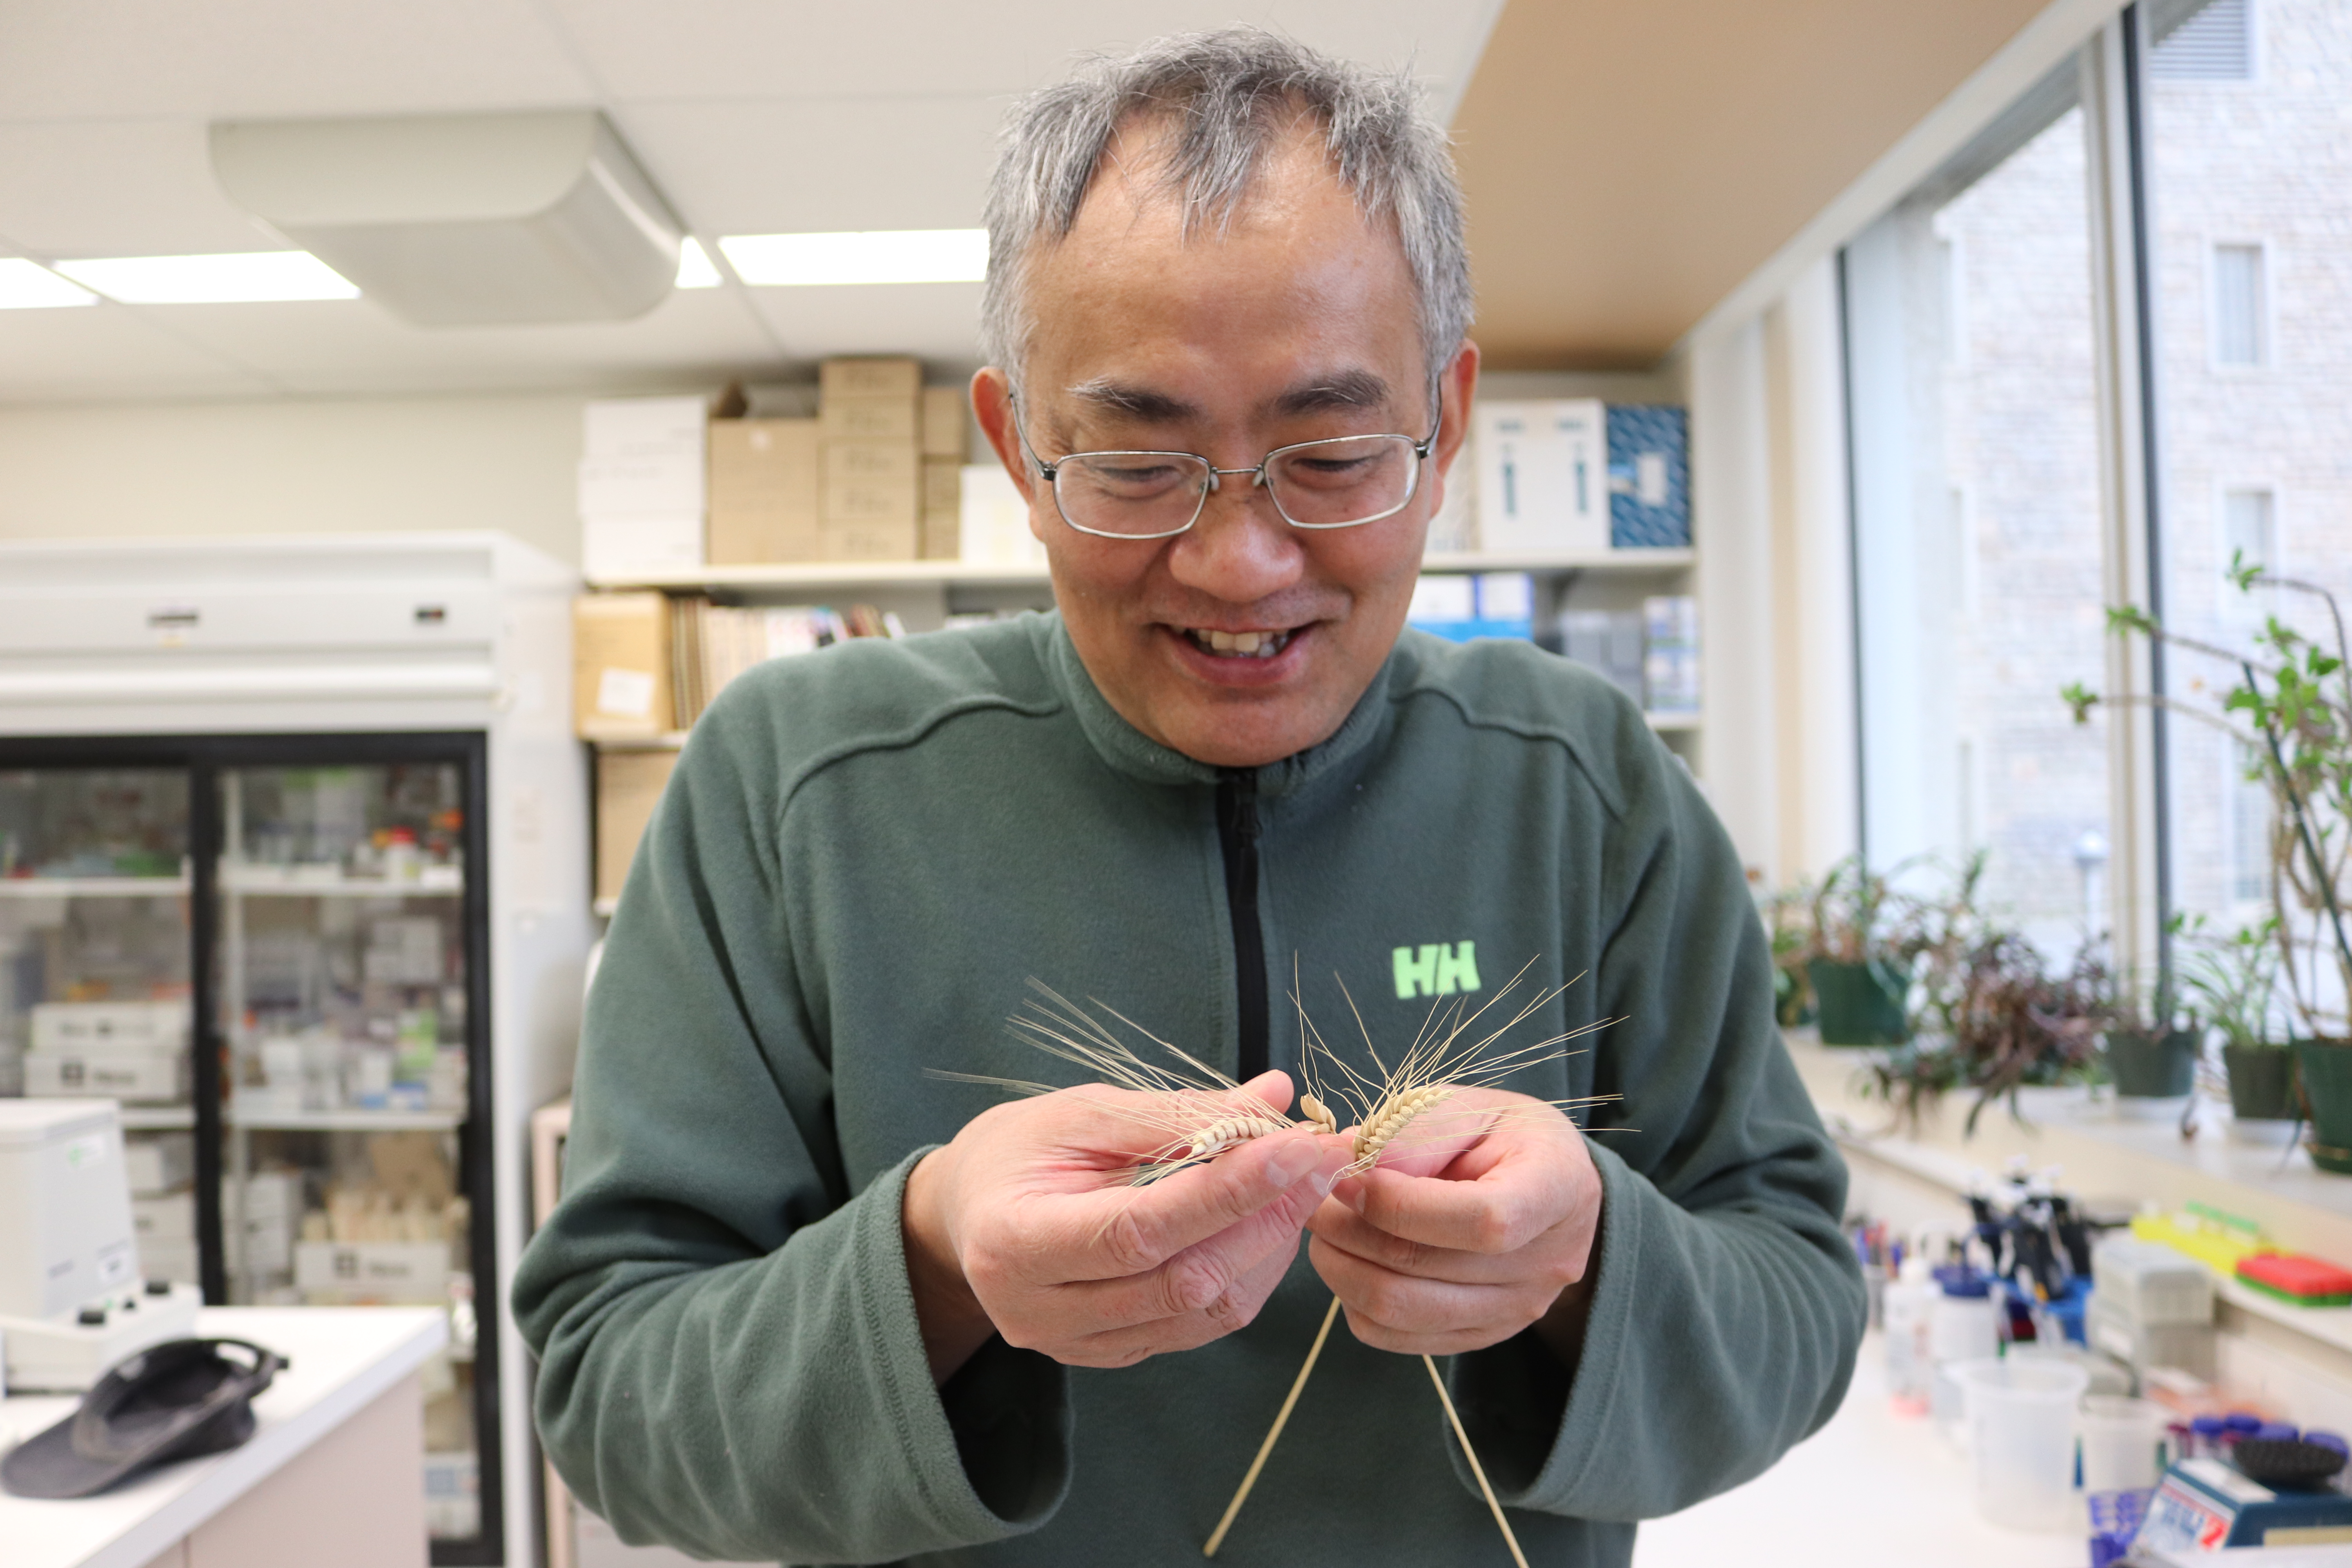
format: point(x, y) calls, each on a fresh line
point(1242, 645)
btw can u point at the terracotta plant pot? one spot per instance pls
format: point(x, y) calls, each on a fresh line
point(2327, 1079)
point(2150, 1065)
point(1861, 1003)
point(2261, 1082)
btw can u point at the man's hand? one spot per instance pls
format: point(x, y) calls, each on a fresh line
point(1026, 1226)
point(1468, 1233)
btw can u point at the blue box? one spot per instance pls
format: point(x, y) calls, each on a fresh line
point(1649, 477)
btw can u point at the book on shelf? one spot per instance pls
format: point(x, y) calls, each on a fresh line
point(712, 644)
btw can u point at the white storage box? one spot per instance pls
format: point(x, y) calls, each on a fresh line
point(2151, 1283)
point(78, 1074)
point(111, 1029)
point(372, 1271)
point(161, 1163)
point(164, 1221)
point(2188, 1347)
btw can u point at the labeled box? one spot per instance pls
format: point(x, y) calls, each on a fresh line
point(372, 1271)
point(150, 1079)
point(620, 665)
point(870, 419)
point(885, 540)
point(865, 462)
point(628, 786)
point(159, 1163)
point(766, 491)
point(870, 376)
point(942, 527)
point(1543, 476)
point(946, 425)
point(617, 546)
point(114, 1028)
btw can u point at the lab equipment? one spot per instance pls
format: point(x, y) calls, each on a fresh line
point(72, 1301)
point(2295, 1278)
point(2205, 1505)
point(2021, 1414)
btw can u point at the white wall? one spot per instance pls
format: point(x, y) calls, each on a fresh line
point(316, 466)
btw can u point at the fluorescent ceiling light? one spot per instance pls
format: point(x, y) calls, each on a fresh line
point(253, 276)
point(29, 286)
point(880, 256)
point(694, 268)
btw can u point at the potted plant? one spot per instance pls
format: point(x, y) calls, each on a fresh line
point(1865, 938)
point(1787, 926)
point(2291, 704)
point(1999, 1019)
point(2235, 977)
point(2151, 1043)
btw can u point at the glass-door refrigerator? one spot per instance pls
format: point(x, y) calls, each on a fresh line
point(327, 970)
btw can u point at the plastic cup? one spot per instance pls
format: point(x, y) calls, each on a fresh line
point(2122, 1443)
point(2021, 1429)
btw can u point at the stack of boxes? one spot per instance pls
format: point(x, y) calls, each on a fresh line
point(2151, 1307)
point(870, 427)
point(764, 491)
point(133, 1051)
point(162, 1170)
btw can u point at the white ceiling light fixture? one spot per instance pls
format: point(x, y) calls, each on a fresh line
point(874, 256)
point(695, 270)
point(244, 277)
point(464, 219)
point(29, 286)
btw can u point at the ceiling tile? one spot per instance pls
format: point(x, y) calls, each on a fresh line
point(795, 167)
point(936, 321)
point(135, 187)
point(356, 347)
point(104, 351)
point(107, 60)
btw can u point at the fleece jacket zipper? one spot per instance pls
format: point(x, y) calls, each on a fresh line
point(1237, 830)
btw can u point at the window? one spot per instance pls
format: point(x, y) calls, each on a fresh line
point(2241, 307)
point(2268, 160)
point(1978, 521)
point(2215, 43)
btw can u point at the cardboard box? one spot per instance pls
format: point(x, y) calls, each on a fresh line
point(629, 786)
point(766, 491)
point(620, 665)
point(870, 376)
point(945, 423)
point(871, 419)
point(995, 519)
point(942, 528)
point(877, 502)
point(860, 462)
point(880, 541)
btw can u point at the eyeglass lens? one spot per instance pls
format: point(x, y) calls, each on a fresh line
point(1323, 484)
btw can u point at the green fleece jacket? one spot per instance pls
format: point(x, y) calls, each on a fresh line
point(864, 856)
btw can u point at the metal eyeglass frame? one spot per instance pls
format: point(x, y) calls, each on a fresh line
point(1049, 472)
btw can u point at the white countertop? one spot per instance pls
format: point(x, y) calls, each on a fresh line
point(1869, 1488)
point(340, 1360)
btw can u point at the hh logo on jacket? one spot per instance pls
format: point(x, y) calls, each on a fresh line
point(1437, 969)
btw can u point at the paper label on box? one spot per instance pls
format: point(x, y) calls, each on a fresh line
point(627, 692)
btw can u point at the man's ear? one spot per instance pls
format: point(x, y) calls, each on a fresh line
point(1456, 387)
point(992, 405)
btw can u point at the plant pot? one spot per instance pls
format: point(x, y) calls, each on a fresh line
point(1861, 1003)
point(2327, 1079)
point(2261, 1082)
point(2152, 1066)
point(1792, 1000)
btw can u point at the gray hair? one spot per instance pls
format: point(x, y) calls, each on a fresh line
point(1233, 94)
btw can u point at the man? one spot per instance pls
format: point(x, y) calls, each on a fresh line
point(804, 1300)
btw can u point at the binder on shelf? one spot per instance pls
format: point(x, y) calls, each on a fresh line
point(1649, 477)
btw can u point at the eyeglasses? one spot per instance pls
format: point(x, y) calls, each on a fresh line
point(1345, 481)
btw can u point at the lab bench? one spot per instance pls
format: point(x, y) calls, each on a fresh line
point(328, 1474)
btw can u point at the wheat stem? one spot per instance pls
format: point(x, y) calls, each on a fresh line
point(1471, 1454)
point(1282, 1416)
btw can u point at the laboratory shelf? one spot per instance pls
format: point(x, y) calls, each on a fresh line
point(953, 573)
point(344, 1121)
point(269, 882)
point(158, 1118)
point(92, 887)
point(1672, 723)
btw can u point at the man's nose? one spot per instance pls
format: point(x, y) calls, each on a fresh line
point(1240, 551)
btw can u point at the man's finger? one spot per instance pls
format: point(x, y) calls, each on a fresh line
point(1236, 1309)
point(1523, 1196)
point(1114, 1232)
point(1339, 1227)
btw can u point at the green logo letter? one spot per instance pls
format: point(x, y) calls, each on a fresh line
point(1416, 975)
